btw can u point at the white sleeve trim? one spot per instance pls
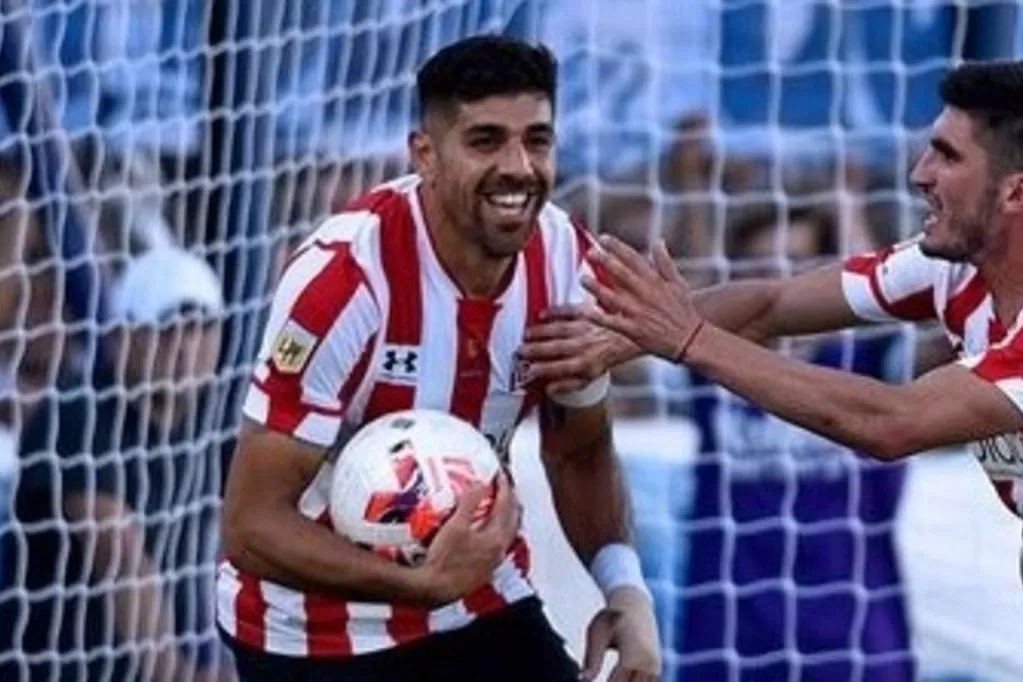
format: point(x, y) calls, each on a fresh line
point(590, 394)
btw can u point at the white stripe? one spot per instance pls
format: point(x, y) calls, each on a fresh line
point(509, 583)
point(314, 499)
point(318, 429)
point(294, 281)
point(975, 327)
point(285, 620)
point(367, 627)
point(1013, 389)
point(439, 347)
point(261, 372)
point(257, 404)
point(343, 227)
point(366, 249)
point(339, 351)
point(860, 297)
point(450, 617)
point(228, 587)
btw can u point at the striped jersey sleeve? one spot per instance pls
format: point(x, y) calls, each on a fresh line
point(315, 346)
point(897, 283)
point(1001, 365)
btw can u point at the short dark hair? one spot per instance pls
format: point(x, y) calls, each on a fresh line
point(485, 66)
point(991, 93)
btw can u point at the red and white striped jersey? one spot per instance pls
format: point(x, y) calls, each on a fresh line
point(366, 321)
point(901, 283)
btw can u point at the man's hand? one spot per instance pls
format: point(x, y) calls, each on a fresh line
point(627, 624)
point(464, 554)
point(567, 352)
point(650, 303)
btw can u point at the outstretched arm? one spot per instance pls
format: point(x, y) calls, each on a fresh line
point(950, 406)
point(764, 309)
point(566, 351)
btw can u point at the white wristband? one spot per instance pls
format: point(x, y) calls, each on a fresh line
point(615, 566)
point(590, 394)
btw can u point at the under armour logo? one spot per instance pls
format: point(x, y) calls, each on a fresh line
point(406, 360)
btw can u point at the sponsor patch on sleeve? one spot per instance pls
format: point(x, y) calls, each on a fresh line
point(292, 348)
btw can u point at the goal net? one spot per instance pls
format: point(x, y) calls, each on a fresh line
point(159, 157)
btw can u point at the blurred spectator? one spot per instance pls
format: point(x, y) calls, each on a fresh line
point(820, 78)
point(116, 498)
point(21, 248)
point(130, 71)
point(792, 561)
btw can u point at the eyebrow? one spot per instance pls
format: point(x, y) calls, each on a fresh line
point(945, 147)
point(497, 129)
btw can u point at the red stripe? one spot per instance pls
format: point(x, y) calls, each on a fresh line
point(400, 260)
point(962, 305)
point(1005, 362)
point(472, 369)
point(521, 557)
point(326, 618)
point(471, 383)
point(316, 309)
point(250, 612)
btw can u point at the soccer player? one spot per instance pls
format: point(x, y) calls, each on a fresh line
point(417, 295)
point(965, 270)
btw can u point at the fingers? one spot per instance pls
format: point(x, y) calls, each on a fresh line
point(611, 300)
point(467, 505)
point(621, 674)
point(558, 329)
point(506, 515)
point(630, 270)
point(598, 639)
point(664, 264)
point(566, 312)
point(617, 323)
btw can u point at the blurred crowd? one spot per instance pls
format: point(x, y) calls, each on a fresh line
point(158, 158)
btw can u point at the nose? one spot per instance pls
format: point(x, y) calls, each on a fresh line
point(920, 176)
point(515, 161)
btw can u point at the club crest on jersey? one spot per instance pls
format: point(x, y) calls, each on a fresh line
point(399, 364)
point(292, 348)
point(518, 376)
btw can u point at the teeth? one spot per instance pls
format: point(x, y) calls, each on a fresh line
point(513, 201)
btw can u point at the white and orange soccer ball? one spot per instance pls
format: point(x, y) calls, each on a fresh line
point(400, 477)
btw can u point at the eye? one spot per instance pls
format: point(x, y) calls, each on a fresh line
point(484, 143)
point(539, 143)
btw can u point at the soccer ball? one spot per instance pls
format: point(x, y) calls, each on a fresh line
point(399, 479)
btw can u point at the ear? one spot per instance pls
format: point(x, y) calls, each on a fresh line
point(1012, 194)
point(422, 153)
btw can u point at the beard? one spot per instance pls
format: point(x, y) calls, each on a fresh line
point(965, 238)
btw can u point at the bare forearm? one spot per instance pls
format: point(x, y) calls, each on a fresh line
point(763, 309)
point(587, 486)
point(743, 308)
point(281, 545)
point(840, 406)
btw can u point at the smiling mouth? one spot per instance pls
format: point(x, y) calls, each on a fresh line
point(933, 212)
point(510, 204)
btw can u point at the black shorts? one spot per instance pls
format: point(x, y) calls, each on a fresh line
point(517, 644)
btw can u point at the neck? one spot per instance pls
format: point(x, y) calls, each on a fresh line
point(476, 273)
point(1002, 271)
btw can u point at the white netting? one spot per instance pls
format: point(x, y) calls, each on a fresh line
point(227, 127)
